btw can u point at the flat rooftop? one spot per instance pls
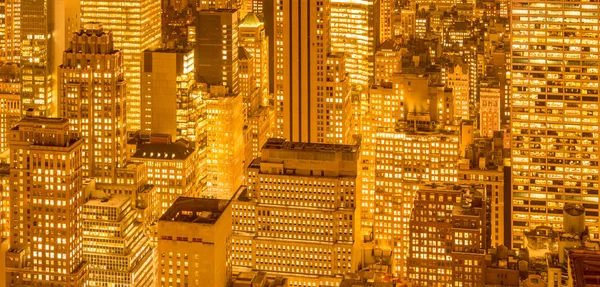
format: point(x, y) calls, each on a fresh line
point(195, 210)
point(163, 151)
point(114, 201)
point(274, 143)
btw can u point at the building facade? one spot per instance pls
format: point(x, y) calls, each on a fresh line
point(92, 97)
point(554, 113)
point(301, 203)
point(46, 170)
point(171, 100)
point(193, 243)
point(136, 27)
point(116, 248)
point(217, 42)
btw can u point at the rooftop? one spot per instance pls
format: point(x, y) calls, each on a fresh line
point(163, 151)
point(169, 50)
point(195, 210)
point(274, 143)
point(250, 21)
point(114, 201)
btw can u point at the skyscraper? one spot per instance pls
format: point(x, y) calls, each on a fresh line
point(10, 102)
point(300, 203)
point(46, 172)
point(92, 98)
point(12, 14)
point(355, 31)
point(253, 38)
point(225, 144)
point(170, 101)
point(135, 26)
point(217, 48)
point(45, 27)
point(299, 34)
point(554, 112)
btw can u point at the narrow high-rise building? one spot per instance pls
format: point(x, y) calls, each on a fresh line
point(225, 144)
point(10, 103)
point(12, 30)
point(170, 99)
point(309, 83)
point(489, 109)
point(458, 80)
point(92, 97)
point(554, 113)
point(301, 202)
point(253, 38)
point(217, 48)
point(135, 26)
point(46, 173)
point(45, 28)
point(386, 14)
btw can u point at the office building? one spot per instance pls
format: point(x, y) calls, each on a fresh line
point(458, 80)
point(489, 109)
point(170, 99)
point(554, 113)
point(114, 243)
point(12, 30)
point(388, 61)
point(301, 203)
point(404, 158)
point(386, 22)
point(225, 144)
point(217, 42)
point(253, 38)
point(484, 166)
point(45, 33)
point(447, 218)
point(10, 102)
point(46, 172)
point(355, 31)
point(307, 76)
point(194, 243)
point(4, 201)
point(172, 168)
point(92, 97)
point(135, 26)
point(247, 85)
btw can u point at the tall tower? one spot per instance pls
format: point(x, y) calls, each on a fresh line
point(136, 27)
point(44, 26)
point(92, 98)
point(45, 172)
point(554, 112)
point(309, 82)
point(217, 48)
point(12, 41)
point(355, 31)
point(169, 103)
point(254, 40)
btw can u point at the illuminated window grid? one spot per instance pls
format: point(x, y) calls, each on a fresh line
point(554, 112)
